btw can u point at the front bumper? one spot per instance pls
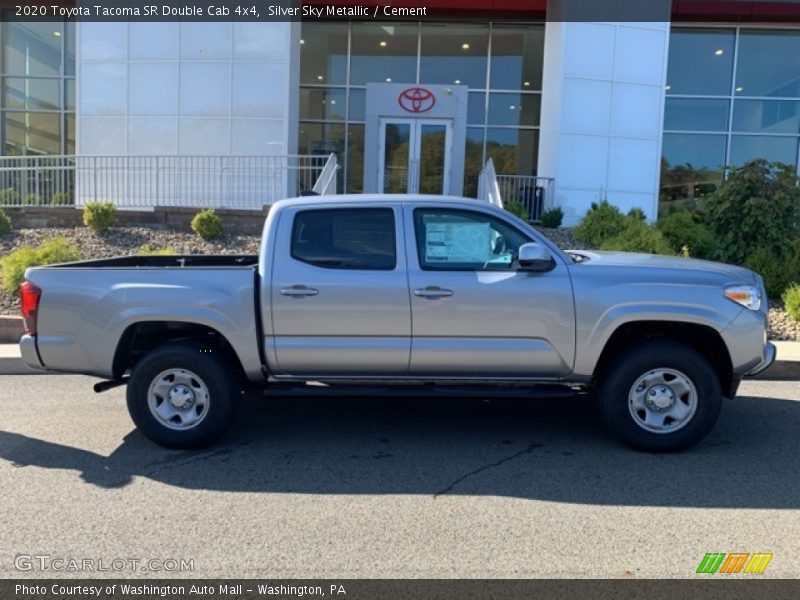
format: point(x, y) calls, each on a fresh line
point(769, 358)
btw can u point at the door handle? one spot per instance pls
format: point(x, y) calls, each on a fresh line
point(299, 291)
point(433, 292)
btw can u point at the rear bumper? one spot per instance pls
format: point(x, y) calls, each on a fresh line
point(30, 356)
point(769, 358)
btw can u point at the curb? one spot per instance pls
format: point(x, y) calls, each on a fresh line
point(10, 329)
point(785, 367)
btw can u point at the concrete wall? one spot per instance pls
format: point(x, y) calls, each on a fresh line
point(602, 113)
point(187, 89)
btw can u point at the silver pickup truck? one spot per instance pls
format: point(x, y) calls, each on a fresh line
point(403, 294)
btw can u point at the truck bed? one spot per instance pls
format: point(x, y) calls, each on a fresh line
point(216, 261)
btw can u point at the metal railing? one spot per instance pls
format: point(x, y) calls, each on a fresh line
point(326, 182)
point(536, 194)
point(144, 182)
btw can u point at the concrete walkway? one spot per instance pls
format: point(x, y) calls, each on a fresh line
point(786, 366)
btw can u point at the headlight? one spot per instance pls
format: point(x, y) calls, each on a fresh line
point(747, 295)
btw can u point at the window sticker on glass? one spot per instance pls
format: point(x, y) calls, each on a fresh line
point(457, 242)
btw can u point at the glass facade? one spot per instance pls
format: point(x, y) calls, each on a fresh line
point(501, 64)
point(38, 88)
point(732, 95)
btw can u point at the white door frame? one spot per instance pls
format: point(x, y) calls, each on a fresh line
point(414, 148)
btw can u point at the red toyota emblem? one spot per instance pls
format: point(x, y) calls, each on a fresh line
point(416, 100)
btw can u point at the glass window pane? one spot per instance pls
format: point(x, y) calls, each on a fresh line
point(323, 53)
point(32, 133)
point(33, 49)
point(358, 105)
point(514, 109)
point(69, 103)
point(768, 116)
point(473, 160)
point(69, 48)
point(700, 61)
point(396, 163)
point(454, 54)
point(517, 57)
point(383, 52)
point(775, 149)
point(492, 246)
point(37, 94)
point(767, 63)
point(355, 159)
point(320, 139)
point(513, 151)
point(258, 40)
point(153, 40)
point(69, 119)
point(476, 108)
point(431, 166)
point(103, 89)
point(205, 41)
point(691, 168)
point(360, 238)
point(205, 89)
point(321, 103)
point(684, 114)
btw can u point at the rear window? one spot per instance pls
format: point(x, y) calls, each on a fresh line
point(349, 238)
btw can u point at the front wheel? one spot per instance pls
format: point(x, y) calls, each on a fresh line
point(660, 396)
point(180, 396)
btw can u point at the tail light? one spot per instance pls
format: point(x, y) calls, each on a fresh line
point(29, 296)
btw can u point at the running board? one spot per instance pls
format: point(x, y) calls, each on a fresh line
point(429, 391)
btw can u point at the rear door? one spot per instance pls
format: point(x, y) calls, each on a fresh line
point(339, 293)
point(474, 313)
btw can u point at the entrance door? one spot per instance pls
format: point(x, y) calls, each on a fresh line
point(415, 156)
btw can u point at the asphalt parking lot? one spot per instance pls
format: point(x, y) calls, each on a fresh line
point(394, 488)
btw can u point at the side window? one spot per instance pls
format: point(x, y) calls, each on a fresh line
point(464, 240)
point(348, 238)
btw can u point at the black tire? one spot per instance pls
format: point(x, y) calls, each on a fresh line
point(221, 392)
point(624, 370)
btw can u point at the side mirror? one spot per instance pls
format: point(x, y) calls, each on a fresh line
point(535, 257)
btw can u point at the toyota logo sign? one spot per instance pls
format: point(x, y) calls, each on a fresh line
point(416, 100)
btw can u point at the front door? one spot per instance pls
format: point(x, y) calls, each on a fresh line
point(414, 156)
point(473, 312)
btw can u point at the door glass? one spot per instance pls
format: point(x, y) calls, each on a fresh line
point(433, 147)
point(397, 140)
point(460, 240)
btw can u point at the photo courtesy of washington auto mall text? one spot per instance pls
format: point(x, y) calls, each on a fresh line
point(400, 299)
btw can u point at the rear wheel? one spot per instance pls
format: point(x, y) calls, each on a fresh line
point(660, 396)
point(180, 396)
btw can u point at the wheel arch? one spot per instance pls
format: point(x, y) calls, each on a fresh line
point(704, 339)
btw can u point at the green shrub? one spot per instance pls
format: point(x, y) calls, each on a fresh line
point(602, 222)
point(31, 200)
point(552, 218)
point(682, 230)
point(9, 196)
point(757, 207)
point(778, 272)
point(5, 223)
point(207, 224)
point(146, 250)
point(637, 213)
point(515, 207)
point(637, 236)
point(791, 301)
point(12, 266)
point(62, 199)
point(100, 216)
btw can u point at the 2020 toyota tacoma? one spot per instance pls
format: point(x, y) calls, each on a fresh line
point(442, 295)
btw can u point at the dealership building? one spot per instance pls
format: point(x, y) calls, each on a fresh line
point(643, 113)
